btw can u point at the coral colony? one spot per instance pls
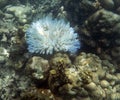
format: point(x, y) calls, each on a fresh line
point(46, 36)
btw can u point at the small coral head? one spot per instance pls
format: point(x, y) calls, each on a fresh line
point(47, 36)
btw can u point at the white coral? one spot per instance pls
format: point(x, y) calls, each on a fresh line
point(47, 35)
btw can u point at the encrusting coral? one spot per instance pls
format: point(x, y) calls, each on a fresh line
point(101, 32)
point(88, 77)
point(37, 68)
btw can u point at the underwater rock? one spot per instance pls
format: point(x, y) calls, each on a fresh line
point(38, 68)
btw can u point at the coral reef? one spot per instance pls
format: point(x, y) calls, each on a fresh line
point(89, 77)
point(101, 32)
point(3, 55)
point(22, 13)
point(47, 35)
point(12, 83)
point(3, 3)
point(34, 93)
point(101, 26)
point(60, 57)
point(60, 76)
point(38, 68)
point(78, 10)
point(110, 4)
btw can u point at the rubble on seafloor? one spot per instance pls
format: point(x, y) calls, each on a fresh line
point(89, 75)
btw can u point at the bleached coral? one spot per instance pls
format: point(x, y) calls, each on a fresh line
point(47, 35)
